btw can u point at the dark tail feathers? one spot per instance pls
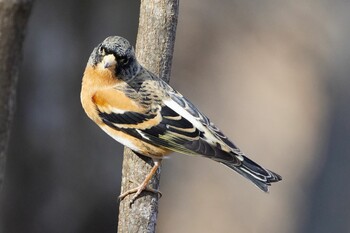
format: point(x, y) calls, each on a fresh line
point(260, 176)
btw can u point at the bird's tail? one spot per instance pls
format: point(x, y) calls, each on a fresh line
point(260, 176)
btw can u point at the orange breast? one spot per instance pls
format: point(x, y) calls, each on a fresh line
point(98, 93)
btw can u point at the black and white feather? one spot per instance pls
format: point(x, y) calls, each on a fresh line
point(181, 127)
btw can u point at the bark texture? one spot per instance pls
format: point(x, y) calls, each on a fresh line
point(154, 50)
point(13, 20)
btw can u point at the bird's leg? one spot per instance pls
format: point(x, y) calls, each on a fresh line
point(143, 185)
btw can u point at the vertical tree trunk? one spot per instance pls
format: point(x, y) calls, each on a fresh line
point(154, 50)
point(13, 20)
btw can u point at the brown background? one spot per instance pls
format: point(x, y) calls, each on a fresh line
point(273, 75)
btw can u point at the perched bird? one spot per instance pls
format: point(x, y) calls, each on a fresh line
point(142, 112)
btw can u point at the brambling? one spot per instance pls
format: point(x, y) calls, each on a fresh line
point(142, 112)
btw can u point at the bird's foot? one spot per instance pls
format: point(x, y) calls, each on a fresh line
point(138, 190)
point(143, 186)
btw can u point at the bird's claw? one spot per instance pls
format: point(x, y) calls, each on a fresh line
point(138, 190)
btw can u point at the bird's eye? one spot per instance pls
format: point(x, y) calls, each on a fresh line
point(123, 60)
point(102, 51)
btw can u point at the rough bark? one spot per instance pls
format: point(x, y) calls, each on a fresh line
point(154, 50)
point(13, 20)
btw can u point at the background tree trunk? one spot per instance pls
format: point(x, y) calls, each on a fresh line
point(154, 50)
point(13, 20)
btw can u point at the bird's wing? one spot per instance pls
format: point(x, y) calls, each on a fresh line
point(176, 124)
point(210, 135)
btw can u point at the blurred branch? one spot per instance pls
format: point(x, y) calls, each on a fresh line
point(154, 50)
point(14, 15)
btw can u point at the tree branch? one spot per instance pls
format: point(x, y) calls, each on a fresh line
point(154, 50)
point(13, 20)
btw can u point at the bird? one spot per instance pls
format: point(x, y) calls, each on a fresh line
point(141, 111)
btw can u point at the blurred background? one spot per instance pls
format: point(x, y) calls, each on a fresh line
point(273, 75)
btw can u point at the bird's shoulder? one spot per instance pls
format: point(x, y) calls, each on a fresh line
point(148, 89)
point(144, 94)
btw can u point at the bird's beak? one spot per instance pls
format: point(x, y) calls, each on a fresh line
point(109, 61)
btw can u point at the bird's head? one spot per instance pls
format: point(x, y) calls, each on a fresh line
point(117, 55)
